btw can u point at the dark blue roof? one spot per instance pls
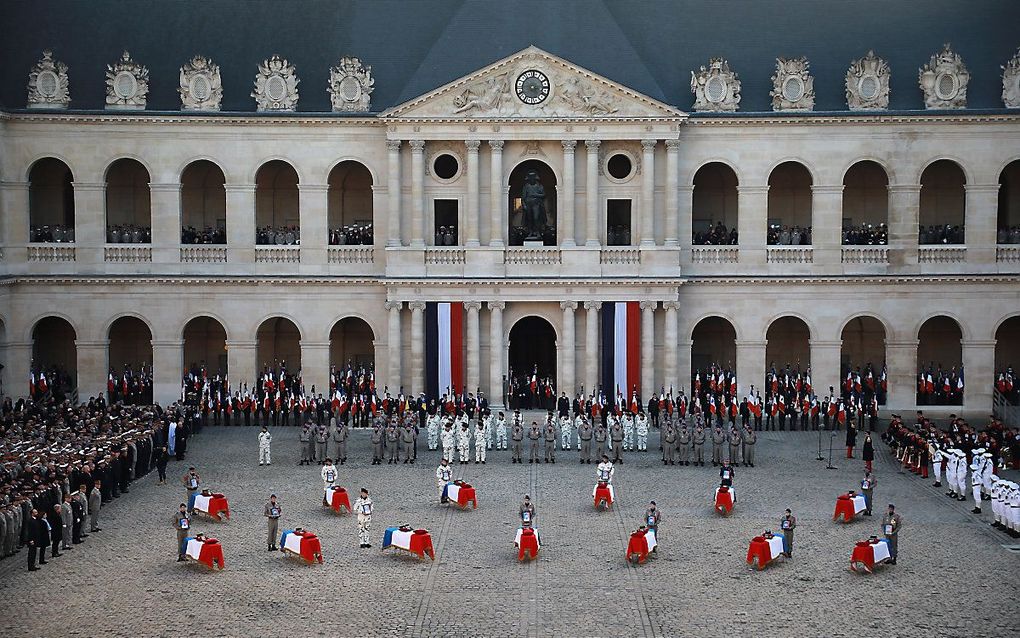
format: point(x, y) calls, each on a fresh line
point(415, 46)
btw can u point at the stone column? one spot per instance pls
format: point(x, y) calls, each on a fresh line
point(594, 231)
point(89, 222)
point(980, 226)
point(827, 224)
point(315, 365)
point(904, 208)
point(825, 369)
point(901, 369)
point(167, 370)
point(686, 222)
point(313, 209)
point(393, 348)
point(393, 192)
point(417, 346)
point(645, 229)
point(647, 347)
point(567, 209)
point(472, 343)
point(497, 202)
point(752, 219)
point(14, 219)
point(419, 230)
point(93, 368)
point(19, 365)
point(979, 373)
point(496, 349)
point(165, 221)
point(672, 192)
point(240, 223)
point(567, 380)
point(750, 366)
point(591, 346)
point(471, 206)
point(242, 362)
point(671, 341)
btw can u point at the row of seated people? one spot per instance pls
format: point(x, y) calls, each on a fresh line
point(352, 235)
point(208, 235)
point(128, 234)
point(1008, 235)
point(866, 235)
point(940, 234)
point(278, 236)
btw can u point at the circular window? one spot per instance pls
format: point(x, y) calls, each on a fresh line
point(619, 166)
point(124, 85)
point(793, 89)
point(445, 166)
point(868, 87)
point(46, 83)
point(200, 87)
point(945, 86)
point(715, 89)
point(276, 88)
point(350, 88)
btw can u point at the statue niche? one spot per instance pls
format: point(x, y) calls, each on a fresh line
point(532, 204)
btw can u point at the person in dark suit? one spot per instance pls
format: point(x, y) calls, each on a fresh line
point(563, 406)
point(37, 538)
point(162, 458)
point(56, 530)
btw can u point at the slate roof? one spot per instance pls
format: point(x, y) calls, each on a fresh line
point(414, 46)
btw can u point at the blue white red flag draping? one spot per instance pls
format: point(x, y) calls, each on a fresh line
point(621, 348)
point(444, 347)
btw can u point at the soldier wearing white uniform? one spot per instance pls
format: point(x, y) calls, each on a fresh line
point(449, 439)
point(998, 497)
point(641, 429)
point(565, 433)
point(937, 455)
point(987, 477)
point(480, 441)
point(464, 440)
point(363, 506)
point(433, 431)
point(444, 474)
point(501, 432)
point(952, 461)
point(1013, 504)
point(265, 438)
point(977, 478)
point(604, 471)
point(489, 424)
point(628, 430)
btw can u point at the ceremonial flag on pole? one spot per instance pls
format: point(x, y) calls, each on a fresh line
point(444, 346)
point(621, 345)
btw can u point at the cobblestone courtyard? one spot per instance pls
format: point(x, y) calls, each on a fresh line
point(955, 577)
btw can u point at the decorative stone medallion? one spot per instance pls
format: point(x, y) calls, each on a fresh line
point(867, 84)
point(276, 85)
point(715, 88)
point(201, 88)
point(350, 85)
point(48, 85)
point(127, 84)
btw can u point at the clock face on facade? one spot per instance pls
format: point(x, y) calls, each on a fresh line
point(532, 87)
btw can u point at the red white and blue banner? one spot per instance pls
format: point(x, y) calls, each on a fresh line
point(444, 348)
point(621, 349)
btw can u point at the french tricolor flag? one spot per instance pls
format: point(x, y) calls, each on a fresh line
point(621, 347)
point(444, 347)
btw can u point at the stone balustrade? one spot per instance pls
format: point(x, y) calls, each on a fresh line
point(277, 254)
point(715, 254)
point(203, 254)
point(444, 256)
point(620, 256)
point(127, 254)
point(350, 254)
point(533, 256)
point(941, 254)
point(790, 255)
point(865, 255)
point(51, 253)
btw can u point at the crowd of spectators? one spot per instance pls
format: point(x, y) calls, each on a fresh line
point(866, 235)
point(352, 235)
point(782, 235)
point(208, 235)
point(128, 234)
point(716, 235)
point(54, 233)
point(278, 236)
point(1008, 235)
point(936, 234)
point(446, 236)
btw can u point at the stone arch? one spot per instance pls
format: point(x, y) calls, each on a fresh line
point(253, 176)
point(968, 178)
point(54, 337)
point(352, 340)
point(204, 345)
point(50, 201)
point(531, 343)
point(350, 207)
point(1008, 209)
point(890, 172)
point(183, 166)
point(1007, 347)
point(733, 166)
point(940, 354)
point(277, 203)
point(550, 180)
point(129, 339)
point(278, 340)
point(942, 211)
point(865, 205)
point(713, 342)
point(715, 201)
point(790, 203)
point(128, 202)
point(373, 173)
point(203, 214)
point(788, 342)
point(862, 352)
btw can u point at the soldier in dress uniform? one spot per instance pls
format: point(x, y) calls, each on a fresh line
point(377, 444)
point(748, 440)
point(584, 434)
point(363, 506)
point(683, 443)
point(734, 446)
point(464, 441)
point(501, 431)
point(616, 434)
point(726, 475)
point(788, 523)
point(305, 441)
point(182, 523)
point(698, 445)
point(448, 437)
point(480, 441)
point(534, 434)
point(191, 482)
point(340, 434)
point(868, 484)
point(668, 445)
point(321, 441)
point(891, 524)
point(527, 512)
point(517, 437)
point(600, 439)
point(272, 513)
point(95, 504)
point(444, 474)
point(718, 438)
point(392, 443)
point(407, 441)
point(550, 440)
point(641, 430)
point(265, 439)
point(653, 517)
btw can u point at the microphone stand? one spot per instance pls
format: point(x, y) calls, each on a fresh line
point(830, 466)
point(820, 457)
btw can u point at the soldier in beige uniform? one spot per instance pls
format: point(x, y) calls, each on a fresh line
point(272, 514)
point(182, 523)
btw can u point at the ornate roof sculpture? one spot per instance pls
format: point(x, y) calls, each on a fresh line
point(127, 84)
point(350, 85)
point(793, 88)
point(201, 88)
point(48, 85)
point(715, 88)
point(1011, 82)
point(944, 80)
point(867, 84)
point(276, 85)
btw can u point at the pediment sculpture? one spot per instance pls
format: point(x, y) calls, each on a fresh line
point(944, 80)
point(715, 88)
point(350, 85)
point(127, 84)
point(276, 85)
point(867, 84)
point(793, 88)
point(1011, 82)
point(201, 88)
point(48, 85)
